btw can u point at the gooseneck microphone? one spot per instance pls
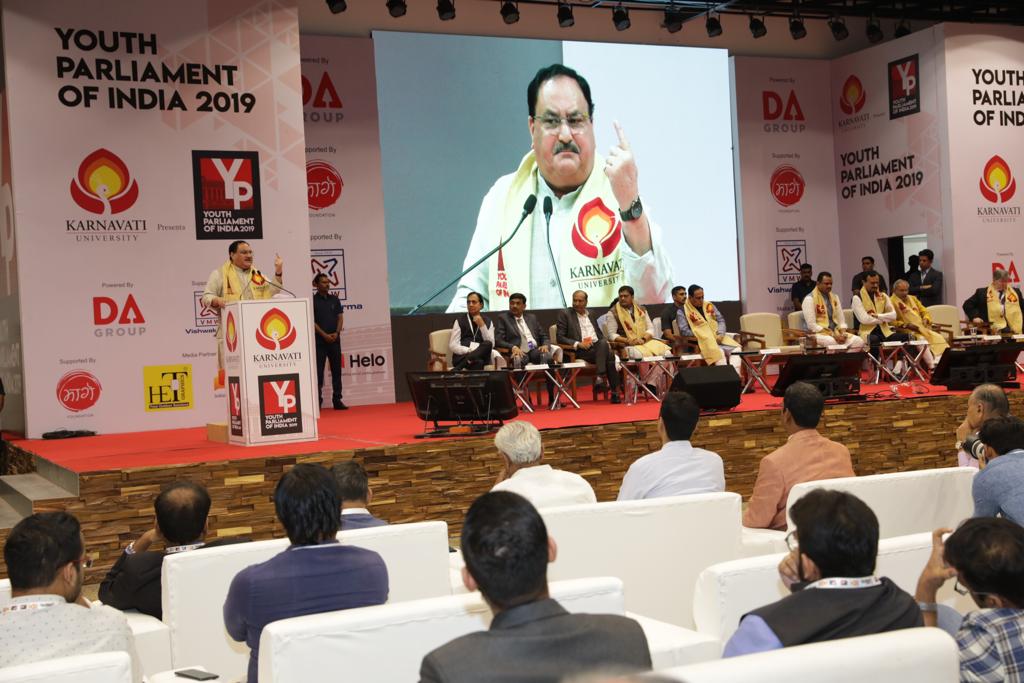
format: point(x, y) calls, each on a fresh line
point(274, 284)
point(548, 210)
point(528, 206)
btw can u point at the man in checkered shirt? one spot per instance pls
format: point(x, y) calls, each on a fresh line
point(986, 555)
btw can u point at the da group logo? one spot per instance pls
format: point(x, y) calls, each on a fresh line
point(227, 195)
point(782, 115)
point(787, 185)
point(322, 104)
point(276, 331)
point(231, 331)
point(78, 391)
point(104, 184)
point(997, 182)
point(323, 184)
point(331, 262)
point(597, 231)
point(112, 318)
point(852, 96)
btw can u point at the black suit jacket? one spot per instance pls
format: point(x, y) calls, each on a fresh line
point(976, 305)
point(134, 580)
point(568, 327)
point(539, 642)
point(506, 331)
point(928, 297)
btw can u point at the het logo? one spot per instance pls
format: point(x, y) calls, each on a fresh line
point(78, 390)
point(787, 185)
point(852, 97)
point(997, 183)
point(231, 332)
point(167, 387)
point(1011, 269)
point(275, 331)
point(323, 184)
point(104, 184)
point(597, 231)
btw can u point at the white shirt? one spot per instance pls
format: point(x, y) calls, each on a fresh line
point(455, 340)
point(62, 629)
point(867, 318)
point(545, 486)
point(677, 469)
point(811, 317)
point(525, 336)
point(586, 329)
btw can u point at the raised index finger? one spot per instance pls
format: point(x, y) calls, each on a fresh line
point(623, 142)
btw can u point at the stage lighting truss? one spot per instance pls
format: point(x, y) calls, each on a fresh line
point(445, 10)
point(510, 12)
point(565, 18)
point(713, 25)
point(838, 27)
point(797, 28)
point(620, 17)
point(757, 27)
point(396, 8)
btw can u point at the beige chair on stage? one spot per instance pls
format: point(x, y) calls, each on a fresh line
point(440, 356)
point(946, 320)
point(795, 321)
point(765, 331)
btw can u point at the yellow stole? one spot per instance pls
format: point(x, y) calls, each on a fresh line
point(259, 288)
point(635, 327)
point(876, 305)
point(821, 312)
point(591, 257)
point(704, 326)
point(913, 311)
point(1012, 319)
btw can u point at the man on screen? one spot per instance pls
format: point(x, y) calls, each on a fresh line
point(600, 236)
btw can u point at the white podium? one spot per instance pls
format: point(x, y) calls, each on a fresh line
point(268, 363)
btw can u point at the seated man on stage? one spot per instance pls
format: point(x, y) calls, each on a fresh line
point(874, 311)
point(997, 305)
point(472, 340)
point(912, 315)
point(520, 332)
point(669, 315)
point(634, 327)
point(702, 320)
point(578, 328)
point(823, 316)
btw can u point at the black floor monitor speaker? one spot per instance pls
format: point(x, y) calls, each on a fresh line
point(715, 387)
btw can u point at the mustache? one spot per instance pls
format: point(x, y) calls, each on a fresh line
point(569, 146)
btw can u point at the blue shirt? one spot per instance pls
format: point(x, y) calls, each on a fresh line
point(999, 488)
point(753, 635)
point(301, 580)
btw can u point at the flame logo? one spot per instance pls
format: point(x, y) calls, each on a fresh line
point(597, 230)
point(230, 332)
point(103, 184)
point(276, 331)
point(997, 182)
point(851, 99)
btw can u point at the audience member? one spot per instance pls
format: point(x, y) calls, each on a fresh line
point(314, 574)
point(678, 468)
point(802, 287)
point(806, 456)
point(830, 569)
point(48, 617)
point(867, 265)
point(519, 446)
point(998, 489)
point(532, 639)
point(356, 496)
point(987, 558)
point(985, 401)
point(180, 522)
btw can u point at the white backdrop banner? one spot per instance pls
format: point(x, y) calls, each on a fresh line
point(787, 198)
point(346, 207)
point(151, 134)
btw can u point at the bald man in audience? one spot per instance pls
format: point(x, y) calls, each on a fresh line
point(519, 445)
point(806, 456)
point(986, 401)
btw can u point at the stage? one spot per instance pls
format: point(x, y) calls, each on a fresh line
point(117, 476)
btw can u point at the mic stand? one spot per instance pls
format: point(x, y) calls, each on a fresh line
point(286, 291)
point(551, 254)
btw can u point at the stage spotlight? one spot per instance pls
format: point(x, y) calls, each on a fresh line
point(510, 12)
point(396, 8)
point(839, 30)
point(713, 25)
point(445, 10)
point(902, 29)
point(797, 28)
point(673, 20)
point(620, 17)
point(757, 27)
point(565, 19)
point(337, 6)
point(874, 31)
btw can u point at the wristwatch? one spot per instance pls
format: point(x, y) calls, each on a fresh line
point(634, 211)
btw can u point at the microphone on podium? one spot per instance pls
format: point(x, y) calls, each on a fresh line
point(271, 282)
point(548, 210)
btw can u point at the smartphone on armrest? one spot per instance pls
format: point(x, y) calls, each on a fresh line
point(196, 675)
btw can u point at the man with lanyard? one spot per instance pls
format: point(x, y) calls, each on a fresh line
point(472, 338)
point(235, 280)
point(634, 327)
point(830, 571)
point(599, 237)
point(823, 316)
point(704, 321)
point(874, 311)
point(913, 316)
point(997, 305)
point(328, 321)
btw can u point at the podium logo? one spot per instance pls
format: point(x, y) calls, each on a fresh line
point(280, 405)
point(167, 387)
point(997, 182)
point(227, 195)
point(597, 231)
point(78, 390)
point(852, 96)
point(104, 184)
point(230, 332)
point(235, 406)
point(787, 185)
point(323, 185)
point(276, 331)
point(115, 319)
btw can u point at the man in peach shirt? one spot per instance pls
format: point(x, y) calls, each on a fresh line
point(806, 456)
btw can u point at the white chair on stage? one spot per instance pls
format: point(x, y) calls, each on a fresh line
point(388, 642)
point(916, 655)
point(102, 667)
point(196, 584)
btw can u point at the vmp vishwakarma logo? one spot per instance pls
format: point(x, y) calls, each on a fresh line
point(105, 189)
point(227, 195)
